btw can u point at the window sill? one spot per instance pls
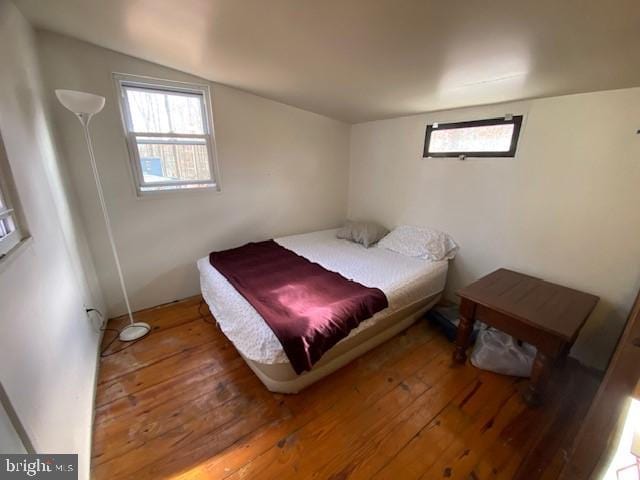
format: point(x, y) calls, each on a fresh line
point(14, 253)
point(142, 195)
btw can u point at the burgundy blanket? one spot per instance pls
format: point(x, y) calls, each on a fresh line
point(308, 307)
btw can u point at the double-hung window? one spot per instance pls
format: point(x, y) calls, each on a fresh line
point(169, 133)
point(10, 232)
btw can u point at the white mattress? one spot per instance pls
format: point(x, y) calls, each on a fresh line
point(404, 280)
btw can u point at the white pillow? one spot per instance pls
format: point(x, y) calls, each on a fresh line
point(423, 242)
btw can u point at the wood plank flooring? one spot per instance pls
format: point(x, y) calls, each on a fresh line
point(182, 404)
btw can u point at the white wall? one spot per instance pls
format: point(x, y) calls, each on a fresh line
point(283, 170)
point(567, 208)
point(47, 344)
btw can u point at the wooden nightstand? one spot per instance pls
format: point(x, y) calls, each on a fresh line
point(544, 314)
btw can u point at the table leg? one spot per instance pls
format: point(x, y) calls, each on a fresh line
point(539, 378)
point(465, 328)
point(562, 357)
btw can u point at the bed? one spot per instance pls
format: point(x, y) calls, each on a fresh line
point(411, 285)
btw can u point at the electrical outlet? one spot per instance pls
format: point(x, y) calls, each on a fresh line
point(95, 316)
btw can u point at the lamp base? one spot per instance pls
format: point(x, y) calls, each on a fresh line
point(134, 331)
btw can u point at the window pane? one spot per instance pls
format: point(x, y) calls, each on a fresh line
point(185, 113)
point(155, 111)
point(7, 226)
point(173, 159)
point(3, 204)
point(493, 138)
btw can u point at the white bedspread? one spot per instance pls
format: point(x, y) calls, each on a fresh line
point(404, 280)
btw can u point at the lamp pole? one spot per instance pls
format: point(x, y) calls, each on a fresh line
point(84, 106)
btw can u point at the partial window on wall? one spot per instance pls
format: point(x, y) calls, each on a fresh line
point(11, 230)
point(493, 137)
point(169, 132)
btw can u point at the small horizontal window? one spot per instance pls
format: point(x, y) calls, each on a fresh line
point(493, 137)
point(169, 134)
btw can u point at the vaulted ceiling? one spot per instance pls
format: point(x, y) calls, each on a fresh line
point(359, 60)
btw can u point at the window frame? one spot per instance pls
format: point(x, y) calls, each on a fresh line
point(12, 208)
point(515, 120)
point(125, 81)
point(10, 241)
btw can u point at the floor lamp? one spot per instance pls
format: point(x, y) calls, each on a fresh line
point(84, 106)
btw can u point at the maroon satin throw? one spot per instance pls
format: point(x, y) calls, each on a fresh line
point(308, 307)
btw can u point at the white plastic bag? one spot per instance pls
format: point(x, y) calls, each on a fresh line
point(500, 353)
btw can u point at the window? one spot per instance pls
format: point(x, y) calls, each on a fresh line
point(169, 133)
point(10, 231)
point(494, 137)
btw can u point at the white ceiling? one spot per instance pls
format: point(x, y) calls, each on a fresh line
point(360, 60)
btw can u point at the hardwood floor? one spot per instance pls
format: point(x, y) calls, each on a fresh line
point(182, 404)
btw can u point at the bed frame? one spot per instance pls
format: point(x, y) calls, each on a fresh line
point(281, 378)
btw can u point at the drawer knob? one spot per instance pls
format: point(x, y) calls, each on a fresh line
point(636, 342)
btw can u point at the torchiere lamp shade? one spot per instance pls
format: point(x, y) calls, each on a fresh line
point(80, 102)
